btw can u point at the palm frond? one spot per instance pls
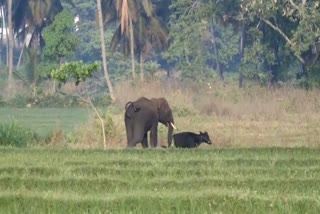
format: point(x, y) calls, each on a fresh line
point(147, 7)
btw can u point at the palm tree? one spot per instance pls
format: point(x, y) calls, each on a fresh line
point(103, 49)
point(3, 26)
point(139, 28)
point(153, 35)
point(31, 16)
point(128, 13)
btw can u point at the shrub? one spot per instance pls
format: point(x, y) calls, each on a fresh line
point(182, 111)
point(56, 101)
point(109, 126)
point(102, 101)
point(19, 101)
point(12, 134)
point(2, 102)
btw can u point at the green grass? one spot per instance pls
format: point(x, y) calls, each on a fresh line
point(272, 180)
point(46, 120)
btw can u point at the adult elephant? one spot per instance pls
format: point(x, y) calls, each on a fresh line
point(142, 116)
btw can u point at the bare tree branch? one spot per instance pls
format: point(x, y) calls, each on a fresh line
point(284, 36)
point(97, 113)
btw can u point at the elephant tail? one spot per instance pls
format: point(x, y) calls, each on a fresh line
point(128, 104)
point(130, 109)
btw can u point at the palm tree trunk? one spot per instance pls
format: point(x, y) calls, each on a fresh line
point(241, 53)
point(10, 51)
point(141, 67)
point(103, 50)
point(2, 29)
point(132, 49)
point(1, 42)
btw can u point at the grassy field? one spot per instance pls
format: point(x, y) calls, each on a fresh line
point(160, 181)
point(46, 120)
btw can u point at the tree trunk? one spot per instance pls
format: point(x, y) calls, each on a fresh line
point(132, 50)
point(10, 51)
point(2, 29)
point(241, 53)
point(1, 42)
point(216, 53)
point(7, 46)
point(103, 50)
point(21, 52)
point(141, 67)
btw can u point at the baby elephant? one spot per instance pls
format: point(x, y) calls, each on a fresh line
point(190, 140)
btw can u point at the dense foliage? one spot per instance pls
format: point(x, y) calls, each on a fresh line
point(263, 41)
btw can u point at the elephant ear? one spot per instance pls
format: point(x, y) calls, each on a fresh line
point(162, 104)
point(131, 109)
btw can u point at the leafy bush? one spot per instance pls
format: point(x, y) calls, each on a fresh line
point(56, 101)
point(182, 111)
point(19, 101)
point(52, 101)
point(109, 125)
point(102, 101)
point(2, 102)
point(12, 134)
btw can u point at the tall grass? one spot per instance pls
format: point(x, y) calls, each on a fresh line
point(13, 134)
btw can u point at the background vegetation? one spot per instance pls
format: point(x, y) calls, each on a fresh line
point(244, 71)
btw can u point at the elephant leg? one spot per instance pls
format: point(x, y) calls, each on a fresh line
point(129, 133)
point(137, 135)
point(154, 135)
point(145, 140)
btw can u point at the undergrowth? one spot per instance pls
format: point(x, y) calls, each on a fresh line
point(252, 116)
point(13, 134)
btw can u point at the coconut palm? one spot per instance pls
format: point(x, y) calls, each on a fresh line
point(103, 49)
point(153, 35)
point(139, 28)
point(128, 13)
point(10, 51)
point(32, 16)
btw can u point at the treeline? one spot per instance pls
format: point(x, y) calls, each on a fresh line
point(269, 42)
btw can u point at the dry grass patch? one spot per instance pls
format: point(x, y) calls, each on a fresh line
point(248, 117)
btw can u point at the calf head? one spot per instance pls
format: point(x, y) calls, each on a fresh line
point(205, 137)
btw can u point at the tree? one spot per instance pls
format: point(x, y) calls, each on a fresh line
point(31, 16)
point(79, 73)
point(281, 26)
point(138, 29)
point(199, 44)
point(60, 42)
point(103, 49)
point(10, 51)
point(152, 35)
